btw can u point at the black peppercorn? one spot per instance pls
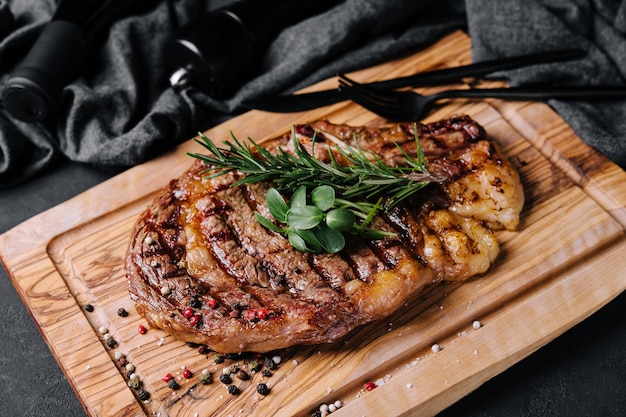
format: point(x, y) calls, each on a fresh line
point(111, 343)
point(266, 373)
point(143, 394)
point(194, 302)
point(89, 308)
point(233, 390)
point(262, 389)
point(173, 384)
point(225, 379)
point(269, 363)
point(122, 312)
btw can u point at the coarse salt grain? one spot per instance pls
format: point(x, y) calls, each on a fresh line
point(435, 348)
point(408, 385)
point(476, 324)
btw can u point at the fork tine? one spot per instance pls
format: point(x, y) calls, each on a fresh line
point(380, 104)
point(378, 95)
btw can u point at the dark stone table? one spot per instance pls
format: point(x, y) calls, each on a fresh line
point(582, 373)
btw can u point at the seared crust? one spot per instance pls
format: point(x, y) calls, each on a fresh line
point(198, 246)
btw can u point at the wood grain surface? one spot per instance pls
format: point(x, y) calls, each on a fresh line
point(563, 264)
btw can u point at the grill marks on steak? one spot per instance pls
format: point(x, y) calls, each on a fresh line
point(199, 245)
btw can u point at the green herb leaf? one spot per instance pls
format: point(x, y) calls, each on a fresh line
point(267, 223)
point(323, 197)
point(297, 242)
point(276, 205)
point(305, 239)
point(340, 219)
point(298, 198)
point(305, 217)
point(331, 240)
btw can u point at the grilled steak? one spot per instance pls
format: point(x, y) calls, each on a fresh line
point(202, 268)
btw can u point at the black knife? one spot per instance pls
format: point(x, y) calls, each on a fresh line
point(306, 101)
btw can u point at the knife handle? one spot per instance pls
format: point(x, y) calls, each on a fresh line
point(478, 69)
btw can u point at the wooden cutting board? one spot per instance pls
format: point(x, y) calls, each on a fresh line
point(565, 262)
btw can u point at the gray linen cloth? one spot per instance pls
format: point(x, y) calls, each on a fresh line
point(120, 110)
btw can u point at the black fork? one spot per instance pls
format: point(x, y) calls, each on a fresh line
point(410, 106)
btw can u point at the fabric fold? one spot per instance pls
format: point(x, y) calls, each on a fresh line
point(121, 111)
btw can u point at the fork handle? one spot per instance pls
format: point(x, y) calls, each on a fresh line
point(539, 93)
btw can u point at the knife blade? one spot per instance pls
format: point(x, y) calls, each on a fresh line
point(289, 103)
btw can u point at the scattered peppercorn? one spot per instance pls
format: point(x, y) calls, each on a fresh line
point(262, 389)
point(269, 363)
point(122, 312)
point(267, 373)
point(263, 313)
point(243, 375)
point(225, 379)
point(254, 366)
point(173, 384)
point(188, 312)
point(111, 343)
point(167, 378)
point(192, 344)
point(142, 329)
point(143, 394)
point(194, 320)
point(206, 378)
point(316, 413)
point(203, 349)
point(212, 303)
point(187, 374)
point(134, 382)
point(218, 359)
point(369, 386)
point(233, 390)
point(89, 308)
point(194, 302)
point(122, 361)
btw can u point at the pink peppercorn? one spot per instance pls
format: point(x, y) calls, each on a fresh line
point(250, 314)
point(193, 320)
point(167, 377)
point(187, 374)
point(263, 313)
point(212, 303)
point(142, 329)
point(188, 312)
point(369, 386)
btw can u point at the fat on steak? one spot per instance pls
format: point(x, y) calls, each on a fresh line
point(200, 267)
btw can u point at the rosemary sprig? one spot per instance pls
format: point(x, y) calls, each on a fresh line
point(365, 177)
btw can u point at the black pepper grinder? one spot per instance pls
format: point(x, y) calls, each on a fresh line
point(219, 51)
point(34, 89)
